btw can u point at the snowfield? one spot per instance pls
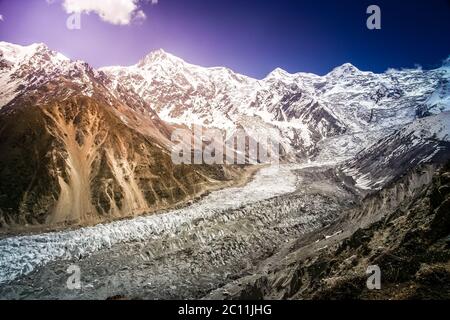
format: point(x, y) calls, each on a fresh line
point(412, 145)
point(21, 255)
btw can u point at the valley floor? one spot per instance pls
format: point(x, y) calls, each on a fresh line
point(185, 253)
point(295, 231)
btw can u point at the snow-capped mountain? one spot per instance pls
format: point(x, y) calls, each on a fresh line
point(100, 139)
point(72, 150)
point(25, 68)
point(80, 146)
point(424, 141)
point(298, 109)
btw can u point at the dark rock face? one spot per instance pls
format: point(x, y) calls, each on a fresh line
point(407, 239)
point(79, 162)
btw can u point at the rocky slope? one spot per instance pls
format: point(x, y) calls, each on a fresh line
point(422, 141)
point(403, 229)
point(400, 223)
point(74, 151)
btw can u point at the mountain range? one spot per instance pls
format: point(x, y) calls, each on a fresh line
point(299, 109)
point(80, 145)
point(75, 151)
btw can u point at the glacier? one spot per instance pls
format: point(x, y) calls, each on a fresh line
point(22, 254)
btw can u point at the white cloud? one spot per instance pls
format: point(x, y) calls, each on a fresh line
point(1, 18)
point(121, 12)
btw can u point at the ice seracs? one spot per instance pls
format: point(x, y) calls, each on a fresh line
point(21, 255)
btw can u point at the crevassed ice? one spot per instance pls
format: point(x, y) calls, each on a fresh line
point(21, 255)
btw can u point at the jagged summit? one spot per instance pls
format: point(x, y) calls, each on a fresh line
point(278, 73)
point(345, 69)
point(298, 109)
point(17, 53)
point(159, 56)
point(32, 66)
point(14, 51)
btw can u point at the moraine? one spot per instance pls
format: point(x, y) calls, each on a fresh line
point(21, 255)
point(185, 253)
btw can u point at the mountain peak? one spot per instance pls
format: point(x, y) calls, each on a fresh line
point(159, 53)
point(18, 53)
point(38, 46)
point(158, 56)
point(345, 69)
point(278, 73)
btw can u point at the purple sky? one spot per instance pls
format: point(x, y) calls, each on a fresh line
point(250, 36)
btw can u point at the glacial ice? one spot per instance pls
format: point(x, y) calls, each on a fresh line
point(23, 254)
